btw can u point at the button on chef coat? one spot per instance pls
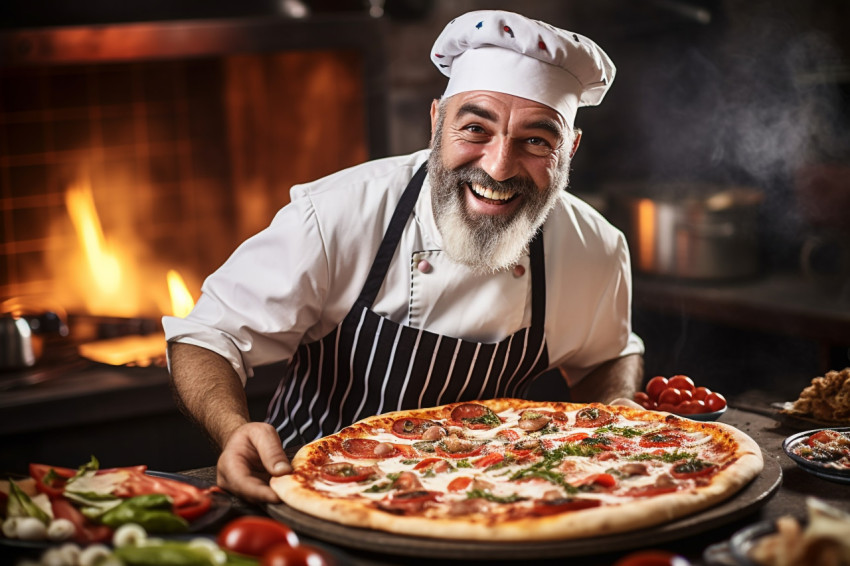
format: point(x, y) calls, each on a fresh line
point(296, 280)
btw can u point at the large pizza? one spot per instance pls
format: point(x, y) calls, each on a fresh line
point(517, 470)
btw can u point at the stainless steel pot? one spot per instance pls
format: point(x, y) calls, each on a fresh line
point(689, 231)
point(16, 343)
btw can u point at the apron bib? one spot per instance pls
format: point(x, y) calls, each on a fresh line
point(370, 365)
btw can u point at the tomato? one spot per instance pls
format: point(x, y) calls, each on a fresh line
point(50, 479)
point(459, 484)
point(488, 460)
point(666, 407)
point(641, 398)
point(700, 393)
point(302, 555)
point(715, 401)
point(508, 434)
point(655, 386)
point(671, 395)
point(254, 536)
point(687, 408)
point(602, 480)
point(85, 532)
point(652, 558)
point(682, 383)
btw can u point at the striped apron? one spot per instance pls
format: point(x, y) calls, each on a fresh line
point(369, 364)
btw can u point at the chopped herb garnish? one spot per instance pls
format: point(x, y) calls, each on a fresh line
point(410, 462)
point(464, 463)
point(668, 457)
point(489, 418)
point(624, 431)
point(485, 494)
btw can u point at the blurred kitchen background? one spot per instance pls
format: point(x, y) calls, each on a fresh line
point(140, 142)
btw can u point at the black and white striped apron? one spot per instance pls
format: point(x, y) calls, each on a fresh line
point(370, 365)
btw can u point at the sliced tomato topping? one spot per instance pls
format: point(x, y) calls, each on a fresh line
point(368, 448)
point(436, 465)
point(475, 416)
point(412, 428)
point(459, 484)
point(551, 507)
point(346, 472)
point(603, 480)
point(593, 417)
point(50, 479)
point(488, 460)
point(574, 437)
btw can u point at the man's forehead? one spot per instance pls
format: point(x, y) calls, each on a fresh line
point(496, 106)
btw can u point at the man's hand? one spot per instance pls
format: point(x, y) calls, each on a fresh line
point(250, 457)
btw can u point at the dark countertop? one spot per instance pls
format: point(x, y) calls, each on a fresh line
point(788, 499)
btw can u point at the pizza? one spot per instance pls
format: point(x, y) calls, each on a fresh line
point(518, 470)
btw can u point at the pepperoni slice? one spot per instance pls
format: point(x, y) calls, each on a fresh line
point(475, 416)
point(692, 469)
point(412, 428)
point(368, 448)
point(346, 472)
point(592, 417)
point(545, 507)
point(408, 501)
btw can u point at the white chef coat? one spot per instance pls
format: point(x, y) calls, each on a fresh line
point(296, 280)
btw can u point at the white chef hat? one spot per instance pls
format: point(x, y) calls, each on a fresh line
point(509, 53)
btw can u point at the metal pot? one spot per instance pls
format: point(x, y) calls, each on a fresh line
point(22, 330)
point(689, 231)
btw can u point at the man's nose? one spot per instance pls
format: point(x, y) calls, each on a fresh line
point(500, 159)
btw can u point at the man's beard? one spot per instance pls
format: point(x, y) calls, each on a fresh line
point(488, 243)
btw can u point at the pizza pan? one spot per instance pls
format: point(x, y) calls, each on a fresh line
point(824, 471)
point(750, 498)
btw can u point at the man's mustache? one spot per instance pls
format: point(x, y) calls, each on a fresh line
point(476, 175)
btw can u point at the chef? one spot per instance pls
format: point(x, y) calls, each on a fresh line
point(459, 272)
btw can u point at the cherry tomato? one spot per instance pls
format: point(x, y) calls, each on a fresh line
point(655, 386)
point(254, 536)
point(699, 406)
point(302, 555)
point(715, 401)
point(700, 393)
point(686, 395)
point(652, 558)
point(665, 407)
point(681, 382)
point(670, 395)
point(641, 398)
point(686, 408)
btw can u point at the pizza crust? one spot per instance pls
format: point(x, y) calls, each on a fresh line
point(632, 514)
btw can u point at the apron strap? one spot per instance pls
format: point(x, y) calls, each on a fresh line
point(538, 281)
point(391, 238)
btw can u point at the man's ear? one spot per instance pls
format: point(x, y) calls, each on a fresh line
point(435, 113)
point(576, 141)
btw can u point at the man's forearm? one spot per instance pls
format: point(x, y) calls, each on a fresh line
point(208, 390)
point(618, 378)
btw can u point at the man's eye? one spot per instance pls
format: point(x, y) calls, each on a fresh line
point(474, 128)
point(539, 141)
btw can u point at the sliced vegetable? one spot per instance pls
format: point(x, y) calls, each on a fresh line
point(22, 505)
point(153, 512)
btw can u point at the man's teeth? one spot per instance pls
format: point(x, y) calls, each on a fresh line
point(489, 193)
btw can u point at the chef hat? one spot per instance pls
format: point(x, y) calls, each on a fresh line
point(509, 53)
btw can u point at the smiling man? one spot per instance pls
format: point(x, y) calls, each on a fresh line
point(459, 272)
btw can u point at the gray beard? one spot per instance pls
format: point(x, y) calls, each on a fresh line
point(487, 243)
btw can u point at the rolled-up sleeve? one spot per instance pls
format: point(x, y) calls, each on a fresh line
point(255, 309)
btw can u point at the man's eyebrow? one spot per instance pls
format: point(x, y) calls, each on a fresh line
point(550, 126)
point(481, 112)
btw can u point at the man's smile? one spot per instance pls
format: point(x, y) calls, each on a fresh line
point(490, 196)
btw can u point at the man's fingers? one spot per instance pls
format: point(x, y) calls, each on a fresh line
point(271, 452)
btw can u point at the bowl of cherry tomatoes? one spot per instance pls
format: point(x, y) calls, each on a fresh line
point(681, 396)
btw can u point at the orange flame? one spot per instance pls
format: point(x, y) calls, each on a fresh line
point(181, 299)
